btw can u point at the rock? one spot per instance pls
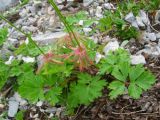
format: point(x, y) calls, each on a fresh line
point(39, 104)
point(23, 102)
point(13, 107)
point(134, 24)
point(87, 2)
point(98, 57)
point(5, 53)
point(157, 17)
point(99, 12)
point(124, 43)
point(5, 4)
point(146, 106)
point(51, 115)
point(130, 18)
point(28, 59)
point(158, 35)
point(109, 6)
point(92, 12)
point(87, 30)
point(140, 22)
point(49, 38)
point(150, 49)
point(144, 17)
point(18, 98)
point(151, 36)
point(37, 4)
point(111, 46)
point(81, 22)
point(29, 29)
point(11, 58)
point(24, 13)
point(159, 42)
point(51, 110)
point(1, 106)
point(12, 41)
point(137, 59)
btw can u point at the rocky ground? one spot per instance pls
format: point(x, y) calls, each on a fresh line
point(39, 18)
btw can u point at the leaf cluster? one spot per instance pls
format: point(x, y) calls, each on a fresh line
point(127, 78)
point(113, 22)
point(3, 35)
point(73, 21)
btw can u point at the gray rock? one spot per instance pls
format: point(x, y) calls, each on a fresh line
point(158, 35)
point(51, 110)
point(111, 46)
point(130, 17)
point(5, 53)
point(151, 36)
point(49, 37)
point(140, 22)
point(159, 42)
point(87, 2)
point(144, 17)
point(11, 58)
point(99, 12)
point(137, 59)
point(134, 24)
point(98, 57)
point(28, 59)
point(5, 4)
point(109, 6)
point(157, 17)
point(39, 104)
point(124, 43)
point(151, 49)
point(87, 30)
point(13, 107)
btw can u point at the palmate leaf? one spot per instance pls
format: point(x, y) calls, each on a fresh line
point(135, 72)
point(32, 88)
point(87, 89)
point(120, 71)
point(3, 35)
point(3, 74)
point(134, 91)
point(113, 59)
point(117, 88)
point(53, 95)
point(146, 80)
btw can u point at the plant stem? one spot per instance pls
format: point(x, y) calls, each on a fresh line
point(69, 29)
point(18, 29)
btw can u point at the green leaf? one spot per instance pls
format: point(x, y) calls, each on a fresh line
point(3, 74)
point(121, 71)
point(113, 59)
point(117, 88)
point(32, 89)
point(3, 35)
point(19, 115)
point(146, 80)
point(135, 72)
point(87, 89)
point(15, 71)
point(134, 91)
point(53, 95)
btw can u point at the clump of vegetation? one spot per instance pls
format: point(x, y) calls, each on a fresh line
point(64, 74)
point(127, 78)
point(113, 23)
point(73, 21)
